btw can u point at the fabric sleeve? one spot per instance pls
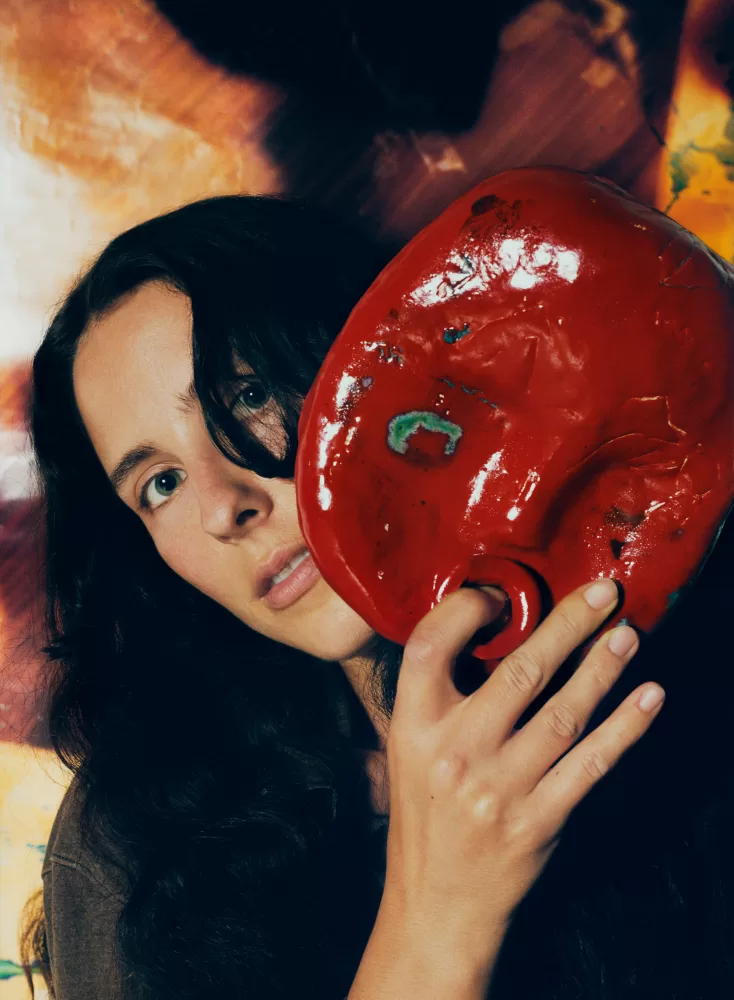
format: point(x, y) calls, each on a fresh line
point(81, 932)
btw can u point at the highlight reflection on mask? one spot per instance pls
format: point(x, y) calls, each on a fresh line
point(540, 385)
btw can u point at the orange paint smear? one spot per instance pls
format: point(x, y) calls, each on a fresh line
point(13, 396)
point(20, 656)
point(109, 91)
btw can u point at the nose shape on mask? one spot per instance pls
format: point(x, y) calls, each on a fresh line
point(521, 524)
point(516, 498)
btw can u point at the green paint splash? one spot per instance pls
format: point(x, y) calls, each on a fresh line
point(680, 174)
point(404, 425)
point(8, 969)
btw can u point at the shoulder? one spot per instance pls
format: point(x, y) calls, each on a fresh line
point(66, 848)
point(82, 899)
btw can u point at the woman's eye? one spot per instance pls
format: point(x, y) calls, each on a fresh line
point(161, 487)
point(252, 396)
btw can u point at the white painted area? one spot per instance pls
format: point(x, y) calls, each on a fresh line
point(46, 234)
point(16, 471)
point(528, 268)
point(53, 223)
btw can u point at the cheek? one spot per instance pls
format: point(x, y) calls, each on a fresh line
point(616, 518)
point(187, 555)
point(620, 500)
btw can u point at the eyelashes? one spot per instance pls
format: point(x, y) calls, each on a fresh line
point(250, 398)
point(144, 500)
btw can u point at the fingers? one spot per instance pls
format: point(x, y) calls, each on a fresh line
point(532, 750)
point(425, 687)
point(575, 775)
point(523, 674)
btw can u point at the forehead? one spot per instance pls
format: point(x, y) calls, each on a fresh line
point(130, 366)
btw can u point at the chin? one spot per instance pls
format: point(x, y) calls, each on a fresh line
point(340, 645)
point(337, 632)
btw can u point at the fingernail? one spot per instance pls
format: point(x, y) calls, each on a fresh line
point(601, 594)
point(622, 639)
point(497, 600)
point(651, 698)
point(497, 595)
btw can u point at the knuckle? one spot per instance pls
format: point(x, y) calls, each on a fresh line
point(424, 644)
point(523, 672)
point(600, 676)
point(563, 722)
point(447, 771)
point(486, 807)
point(565, 622)
point(521, 831)
point(595, 764)
point(623, 737)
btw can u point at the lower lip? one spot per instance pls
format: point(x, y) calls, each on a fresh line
point(287, 592)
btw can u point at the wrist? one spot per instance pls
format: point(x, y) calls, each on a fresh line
point(439, 946)
point(399, 966)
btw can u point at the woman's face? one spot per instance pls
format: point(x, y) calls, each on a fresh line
point(231, 534)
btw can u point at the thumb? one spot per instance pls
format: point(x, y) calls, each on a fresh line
point(425, 686)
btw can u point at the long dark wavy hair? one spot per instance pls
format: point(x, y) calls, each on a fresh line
point(221, 772)
point(219, 768)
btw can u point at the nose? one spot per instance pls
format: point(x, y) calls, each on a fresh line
point(520, 520)
point(532, 512)
point(232, 501)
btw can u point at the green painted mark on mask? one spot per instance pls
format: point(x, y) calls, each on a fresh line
point(404, 425)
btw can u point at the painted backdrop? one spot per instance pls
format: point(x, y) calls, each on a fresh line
point(111, 112)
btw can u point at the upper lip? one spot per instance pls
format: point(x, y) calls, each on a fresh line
point(273, 565)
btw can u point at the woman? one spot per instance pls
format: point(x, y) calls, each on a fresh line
point(223, 708)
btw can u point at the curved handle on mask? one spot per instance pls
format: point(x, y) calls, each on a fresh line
point(525, 602)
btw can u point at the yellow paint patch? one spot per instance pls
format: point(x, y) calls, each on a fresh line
point(32, 784)
point(696, 179)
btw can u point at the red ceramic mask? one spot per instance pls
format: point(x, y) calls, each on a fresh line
point(538, 391)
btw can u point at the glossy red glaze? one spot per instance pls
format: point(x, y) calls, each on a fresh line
point(540, 387)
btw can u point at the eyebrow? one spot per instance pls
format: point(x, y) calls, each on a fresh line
point(129, 462)
point(189, 398)
point(142, 452)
